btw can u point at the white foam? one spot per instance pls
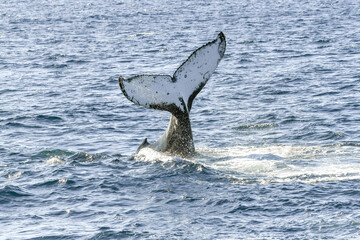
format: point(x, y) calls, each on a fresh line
point(15, 175)
point(165, 159)
point(54, 161)
point(308, 164)
point(150, 155)
point(268, 164)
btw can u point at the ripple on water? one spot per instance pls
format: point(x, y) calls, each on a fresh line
point(13, 194)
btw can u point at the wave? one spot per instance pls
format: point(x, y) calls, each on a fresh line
point(55, 153)
point(49, 118)
point(257, 126)
point(11, 193)
point(238, 164)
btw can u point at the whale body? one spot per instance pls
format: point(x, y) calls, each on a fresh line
point(176, 94)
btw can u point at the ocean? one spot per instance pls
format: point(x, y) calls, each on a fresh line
point(276, 128)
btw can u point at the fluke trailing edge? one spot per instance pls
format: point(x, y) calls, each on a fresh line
point(176, 94)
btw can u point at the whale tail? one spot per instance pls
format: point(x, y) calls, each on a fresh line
point(176, 93)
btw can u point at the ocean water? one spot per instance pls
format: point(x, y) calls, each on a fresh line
point(276, 129)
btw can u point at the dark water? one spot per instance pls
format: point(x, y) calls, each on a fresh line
point(277, 128)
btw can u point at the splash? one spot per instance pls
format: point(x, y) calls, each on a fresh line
point(265, 164)
point(150, 155)
point(170, 162)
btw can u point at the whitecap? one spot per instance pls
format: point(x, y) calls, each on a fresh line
point(15, 175)
point(54, 161)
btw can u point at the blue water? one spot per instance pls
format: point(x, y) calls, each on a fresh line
point(276, 129)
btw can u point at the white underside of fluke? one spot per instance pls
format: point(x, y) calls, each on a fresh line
point(149, 90)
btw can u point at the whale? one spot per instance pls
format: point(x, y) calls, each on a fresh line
point(176, 94)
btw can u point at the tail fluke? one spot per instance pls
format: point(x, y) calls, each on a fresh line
point(176, 93)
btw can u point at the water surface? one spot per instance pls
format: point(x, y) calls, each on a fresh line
point(276, 128)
